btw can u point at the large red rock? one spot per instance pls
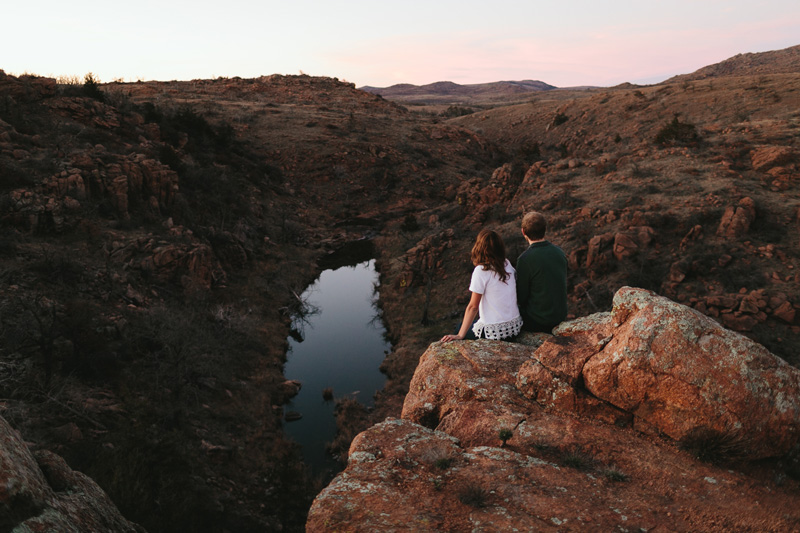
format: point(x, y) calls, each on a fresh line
point(554, 474)
point(456, 375)
point(680, 371)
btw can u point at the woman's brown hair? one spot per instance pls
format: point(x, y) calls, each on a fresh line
point(490, 252)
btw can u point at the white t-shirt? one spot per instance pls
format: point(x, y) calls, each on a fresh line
point(498, 311)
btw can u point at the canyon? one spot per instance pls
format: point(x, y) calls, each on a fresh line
point(156, 236)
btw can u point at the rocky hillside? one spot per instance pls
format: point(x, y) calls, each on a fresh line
point(688, 191)
point(786, 61)
point(154, 238)
point(641, 419)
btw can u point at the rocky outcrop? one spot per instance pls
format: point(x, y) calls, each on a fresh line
point(26, 88)
point(134, 180)
point(680, 372)
point(425, 257)
point(764, 158)
point(584, 430)
point(39, 492)
point(737, 219)
point(192, 265)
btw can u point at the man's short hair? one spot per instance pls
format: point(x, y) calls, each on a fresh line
point(534, 225)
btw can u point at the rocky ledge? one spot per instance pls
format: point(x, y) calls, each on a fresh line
point(39, 492)
point(652, 417)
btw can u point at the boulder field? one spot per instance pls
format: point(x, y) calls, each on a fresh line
point(651, 417)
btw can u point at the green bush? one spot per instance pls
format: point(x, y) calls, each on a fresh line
point(443, 463)
point(576, 459)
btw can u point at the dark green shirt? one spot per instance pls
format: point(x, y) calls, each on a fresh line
point(542, 286)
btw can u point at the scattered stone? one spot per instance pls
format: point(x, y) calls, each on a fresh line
point(785, 312)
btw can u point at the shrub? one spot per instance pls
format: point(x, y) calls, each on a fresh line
point(505, 434)
point(58, 268)
point(529, 153)
point(612, 473)
point(576, 459)
point(443, 463)
point(714, 446)
point(560, 119)
point(456, 111)
point(410, 223)
point(473, 495)
point(91, 88)
point(8, 247)
point(677, 132)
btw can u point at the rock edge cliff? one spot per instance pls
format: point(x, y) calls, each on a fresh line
point(604, 422)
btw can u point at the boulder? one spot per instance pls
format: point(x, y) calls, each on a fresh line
point(681, 372)
point(766, 157)
point(39, 492)
point(598, 253)
point(785, 312)
point(451, 377)
point(628, 243)
point(736, 220)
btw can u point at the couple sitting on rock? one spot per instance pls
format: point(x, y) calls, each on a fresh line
point(506, 301)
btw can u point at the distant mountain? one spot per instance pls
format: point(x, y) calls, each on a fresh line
point(449, 91)
point(786, 61)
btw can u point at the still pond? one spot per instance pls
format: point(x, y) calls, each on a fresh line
point(343, 344)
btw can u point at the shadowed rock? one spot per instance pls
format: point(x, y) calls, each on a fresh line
point(39, 492)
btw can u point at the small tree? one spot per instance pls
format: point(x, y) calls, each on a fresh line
point(677, 132)
point(91, 87)
point(504, 435)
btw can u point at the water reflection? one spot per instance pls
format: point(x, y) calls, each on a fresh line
point(340, 346)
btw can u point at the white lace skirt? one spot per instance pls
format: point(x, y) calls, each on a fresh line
point(502, 330)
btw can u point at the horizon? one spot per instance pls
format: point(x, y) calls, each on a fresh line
point(572, 44)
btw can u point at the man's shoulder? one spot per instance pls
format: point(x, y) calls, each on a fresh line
point(557, 248)
point(542, 247)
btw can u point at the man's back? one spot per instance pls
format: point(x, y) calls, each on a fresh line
point(542, 286)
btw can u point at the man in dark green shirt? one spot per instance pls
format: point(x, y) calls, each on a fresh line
point(541, 278)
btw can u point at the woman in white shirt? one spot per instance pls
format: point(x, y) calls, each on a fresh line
point(494, 293)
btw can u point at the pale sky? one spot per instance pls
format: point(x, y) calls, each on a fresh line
point(561, 42)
